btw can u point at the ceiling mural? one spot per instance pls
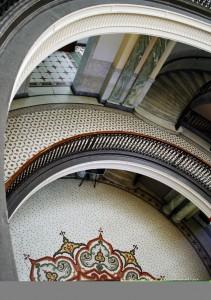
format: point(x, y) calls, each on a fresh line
point(94, 261)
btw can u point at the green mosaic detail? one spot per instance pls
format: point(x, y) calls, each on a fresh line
point(129, 69)
point(145, 72)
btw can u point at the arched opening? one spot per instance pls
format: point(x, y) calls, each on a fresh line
point(77, 208)
point(118, 18)
point(114, 18)
point(46, 167)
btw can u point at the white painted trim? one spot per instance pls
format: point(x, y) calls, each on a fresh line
point(115, 18)
point(143, 169)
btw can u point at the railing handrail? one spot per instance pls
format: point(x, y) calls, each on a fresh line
point(197, 124)
point(21, 174)
point(206, 88)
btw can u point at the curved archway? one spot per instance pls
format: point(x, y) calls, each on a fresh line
point(119, 161)
point(162, 22)
point(114, 18)
point(87, 208)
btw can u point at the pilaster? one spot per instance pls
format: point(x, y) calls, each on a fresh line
point(148, 71)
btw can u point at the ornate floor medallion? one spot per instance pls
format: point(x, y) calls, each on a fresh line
point(94, 261)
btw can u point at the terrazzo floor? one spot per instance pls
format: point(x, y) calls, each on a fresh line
point(126, 220)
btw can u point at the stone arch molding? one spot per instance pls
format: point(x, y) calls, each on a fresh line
point(142, 168)
point(115, 18)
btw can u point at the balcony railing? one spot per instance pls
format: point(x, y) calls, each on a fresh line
point(193, 120)
point(204, 3)
point(206, 88)
point(117, 142)
point(198, 124)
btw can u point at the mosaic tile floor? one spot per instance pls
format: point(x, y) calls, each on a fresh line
point(58, 69)
point(96, 260)
point(81, 211)
point(31, 129)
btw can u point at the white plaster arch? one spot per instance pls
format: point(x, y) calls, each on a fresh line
point(115, 18)
point(126, 165)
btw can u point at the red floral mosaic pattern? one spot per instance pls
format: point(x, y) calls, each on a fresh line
point(95, 261)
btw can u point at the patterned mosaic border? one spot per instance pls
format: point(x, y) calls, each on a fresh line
point(95, 261)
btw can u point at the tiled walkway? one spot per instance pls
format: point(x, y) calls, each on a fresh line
point(31, 129)
point(58, 69)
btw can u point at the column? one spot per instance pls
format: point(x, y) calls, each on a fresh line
point(95, 64)
point(148, 71)
point(128, 72)
point(118, 65)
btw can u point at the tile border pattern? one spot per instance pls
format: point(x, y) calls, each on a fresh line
point(96, 260)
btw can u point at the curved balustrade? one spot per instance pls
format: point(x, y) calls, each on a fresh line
point(198, 124)
point(193, 120)
point(203, 90)
point(204, 3)
point(166, 154)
